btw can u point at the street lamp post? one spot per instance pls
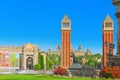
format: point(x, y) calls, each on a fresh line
point(111, 47)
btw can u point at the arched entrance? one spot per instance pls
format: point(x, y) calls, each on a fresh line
point(29, 63)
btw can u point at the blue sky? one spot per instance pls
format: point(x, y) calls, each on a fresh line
point(39, 22)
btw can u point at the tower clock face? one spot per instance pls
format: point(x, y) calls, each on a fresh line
point(66, 25)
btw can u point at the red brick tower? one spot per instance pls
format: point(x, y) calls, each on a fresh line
point(107, 34)
point(66, 30)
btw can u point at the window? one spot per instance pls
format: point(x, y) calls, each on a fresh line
point(65, 24)
point(108, 25)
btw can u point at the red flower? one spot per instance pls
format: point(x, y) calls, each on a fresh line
point(60, 71)
point(112, 72)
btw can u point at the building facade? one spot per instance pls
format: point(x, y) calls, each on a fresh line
point(58, 51)
point(21, 57)
point(80, 52)
point(107, 40)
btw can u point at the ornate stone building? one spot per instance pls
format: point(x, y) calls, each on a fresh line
point(80, 52)
point(50, 51)
point(28, 55)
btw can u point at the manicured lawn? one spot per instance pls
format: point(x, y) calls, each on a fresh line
point(41, 77)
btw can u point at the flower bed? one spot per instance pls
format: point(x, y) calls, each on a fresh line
point(110, 72)
point(60, 71)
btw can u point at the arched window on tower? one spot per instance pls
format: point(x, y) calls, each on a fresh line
point(108, 25)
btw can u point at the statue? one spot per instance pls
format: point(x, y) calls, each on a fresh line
point(73, 56)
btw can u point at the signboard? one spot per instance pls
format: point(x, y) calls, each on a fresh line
point(9, 60)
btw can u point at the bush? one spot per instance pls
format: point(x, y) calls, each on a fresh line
point(60, 71)
point(110, 72)
point(37, 67)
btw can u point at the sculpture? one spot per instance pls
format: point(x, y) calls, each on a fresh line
point(73, 56)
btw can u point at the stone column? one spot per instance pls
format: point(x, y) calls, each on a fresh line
point(118, 35)
point(24, 60)
point(117, 4)
point(45, 62)
point(35, 57)
point(44, 56)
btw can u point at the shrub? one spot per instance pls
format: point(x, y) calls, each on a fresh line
point(110, 72)
point(60, 71)
point(37, 67)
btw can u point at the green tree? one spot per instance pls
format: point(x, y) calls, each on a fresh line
point(98, 55)
point(91, 60)
point(79, 59)
point(41, 60)
point(52, 59)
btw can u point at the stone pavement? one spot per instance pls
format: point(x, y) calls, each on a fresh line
point(28, 72)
